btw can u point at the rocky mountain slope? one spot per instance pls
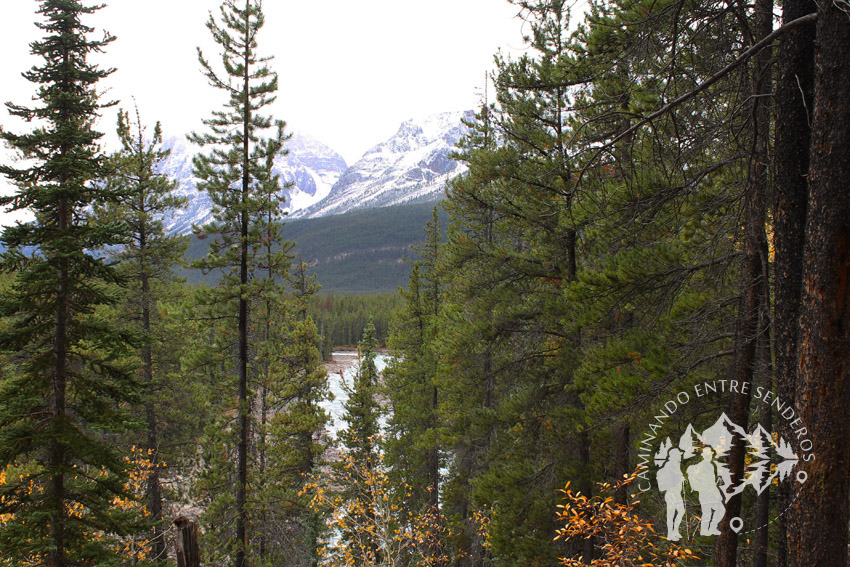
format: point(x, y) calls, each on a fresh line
point(412, 166)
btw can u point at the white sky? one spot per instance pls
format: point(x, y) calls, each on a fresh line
point(350, 72)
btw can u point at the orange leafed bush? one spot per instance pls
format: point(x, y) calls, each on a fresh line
point(621, 538)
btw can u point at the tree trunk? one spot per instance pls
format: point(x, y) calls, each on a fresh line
point(57, 451)
point(794, 101)
point(750, 324)
point(762, 538)
point(821, 511)
point(242, 448)
point(57, 455)
point(154, 488)
point(188, 553)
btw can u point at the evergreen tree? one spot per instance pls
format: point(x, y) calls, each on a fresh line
point(291, 384)
point(147, 262)
point(237, 175)
point(794, 94)
point(362, 412)
point(413, 452)
point(408, 390)
point(512, 251)
point(823, 345)
point(469, 348)
point(362, 452)
point(342, 318)
point(297, 450)
point(70, 385)
point(556, 341)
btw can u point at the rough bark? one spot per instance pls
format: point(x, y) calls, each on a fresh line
point(762, 524)
point(187, 550)
point(794, 101)
point(821, 510)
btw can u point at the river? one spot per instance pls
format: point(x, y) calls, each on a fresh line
point(342, 368)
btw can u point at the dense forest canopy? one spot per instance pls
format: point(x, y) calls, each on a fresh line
point(623, 338)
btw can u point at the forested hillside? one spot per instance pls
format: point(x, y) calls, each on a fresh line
point(353, 253)
point(622, 339)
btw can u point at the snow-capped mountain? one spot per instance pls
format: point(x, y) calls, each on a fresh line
point(311, 165)
point(412, 166)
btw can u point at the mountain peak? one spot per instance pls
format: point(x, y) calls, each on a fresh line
point(411, 166)
point(312, 166)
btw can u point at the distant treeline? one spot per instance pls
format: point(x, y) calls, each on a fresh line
point(341, 319)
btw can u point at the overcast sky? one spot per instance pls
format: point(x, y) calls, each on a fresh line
point(350, 72)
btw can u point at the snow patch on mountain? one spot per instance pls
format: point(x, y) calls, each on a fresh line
point(412, 166)
point(310, 165)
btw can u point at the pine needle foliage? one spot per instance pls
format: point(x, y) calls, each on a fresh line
point(236, 171)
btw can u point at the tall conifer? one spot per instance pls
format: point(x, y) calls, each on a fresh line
point(361, 410)
point(66, 385)
point(148, 259)
point(236, 174)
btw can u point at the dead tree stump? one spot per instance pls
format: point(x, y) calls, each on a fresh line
point(188, 552)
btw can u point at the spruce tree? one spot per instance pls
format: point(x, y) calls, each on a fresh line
point(362, 464)
point(411, 380)
point(68, 386)
point(362, 411)
point(236, 172)
point(294, 383)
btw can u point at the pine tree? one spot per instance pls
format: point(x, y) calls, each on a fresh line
point(408, 380)
point(553, 339)
point(822, 390)
point(468, 350)
point(512, 252)
point(147, 262)
point(237, 175)
point(433, 289)
point(412, 444)
point(293, 448)
point(69, 384)
point(269, 522)
point(794, 93)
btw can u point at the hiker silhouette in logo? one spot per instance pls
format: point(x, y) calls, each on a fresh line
point(703, 479)
point(671, 482)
